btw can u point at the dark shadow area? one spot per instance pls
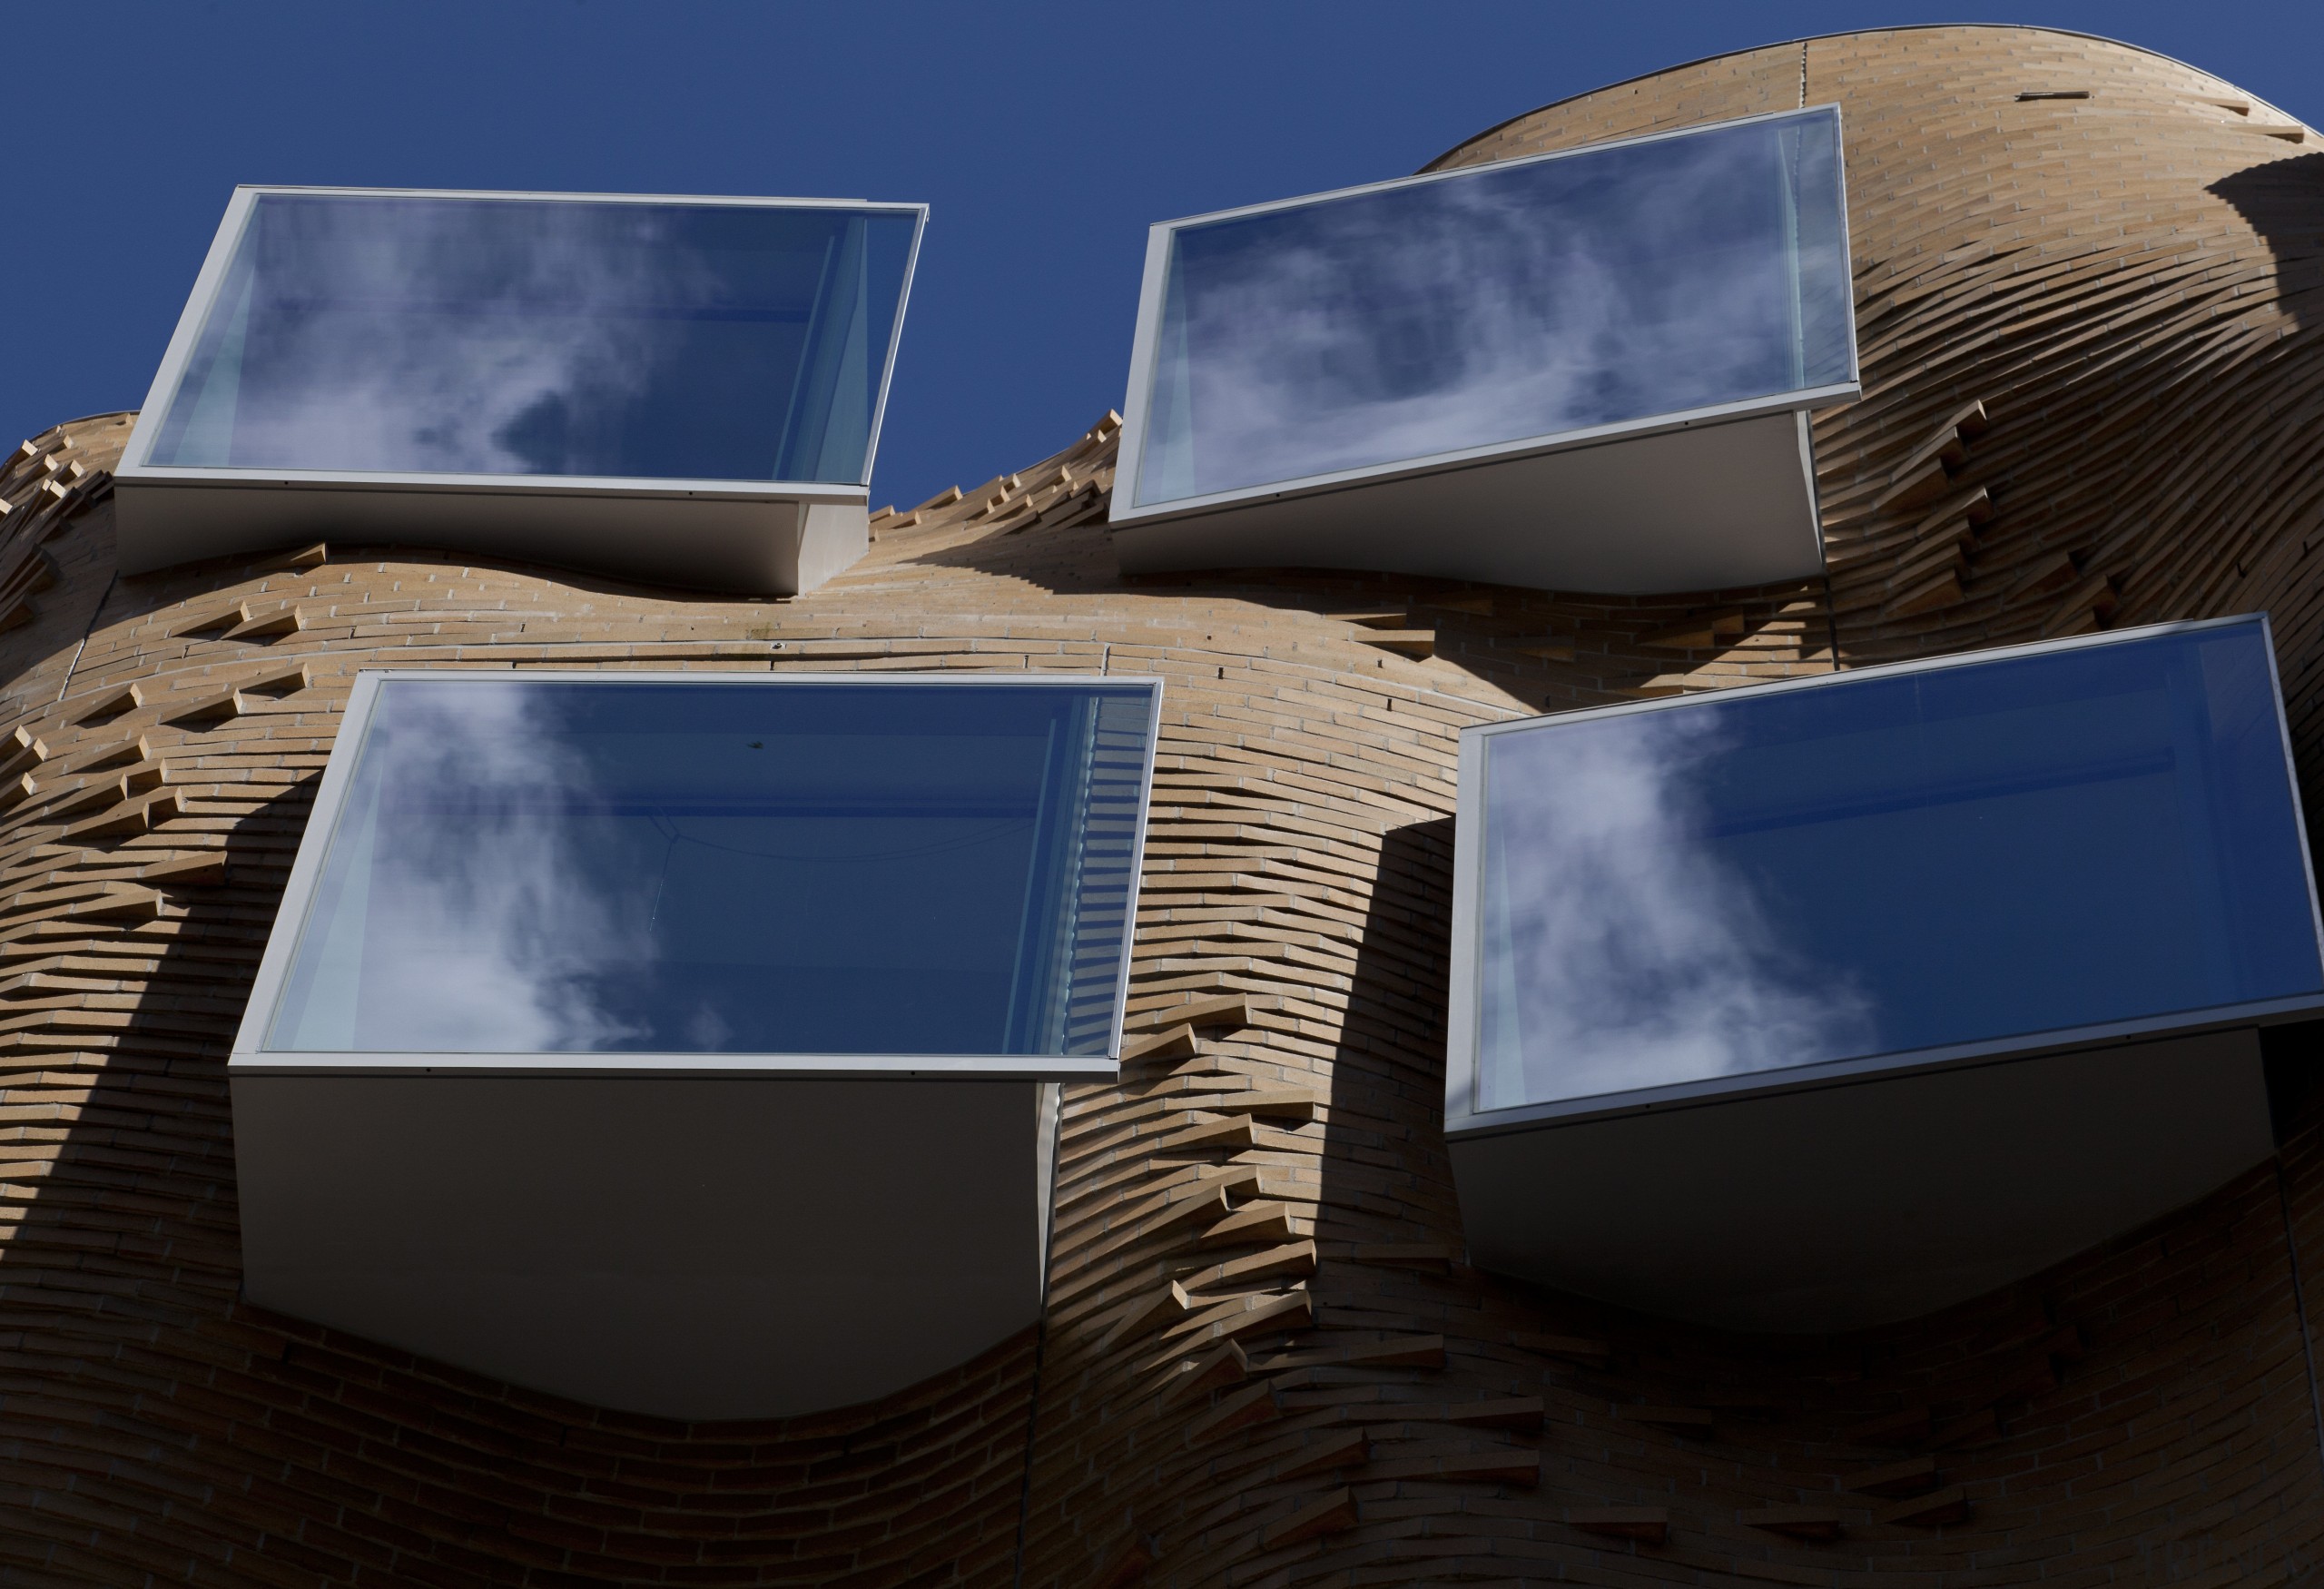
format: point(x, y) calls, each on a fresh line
point(2293, 1055)
point(152, 1128)
point(1386, 1182)
point(2284, 201)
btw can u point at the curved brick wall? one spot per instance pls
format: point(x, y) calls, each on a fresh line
point(2127, 284)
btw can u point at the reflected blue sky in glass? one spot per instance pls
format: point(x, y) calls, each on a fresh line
point(546, 866)
point(545, 337)
point(1501, 304)
point(1949, 856)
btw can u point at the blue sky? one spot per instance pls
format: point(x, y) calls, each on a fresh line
point(1045, 136)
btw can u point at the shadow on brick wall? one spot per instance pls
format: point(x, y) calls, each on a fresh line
point(2283, 201)
point(156, 1429)
point(2097, 1417)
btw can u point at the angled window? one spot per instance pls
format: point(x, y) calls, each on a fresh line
point(891, 867)
point(345, 349)
point(689, 1044)
point(1911, 871)
point(1298, 363)
point(1890, 863)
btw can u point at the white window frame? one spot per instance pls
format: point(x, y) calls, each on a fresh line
point(1137, 403)
point(1463, 1026)
point(135, 468)
point(251, 1056)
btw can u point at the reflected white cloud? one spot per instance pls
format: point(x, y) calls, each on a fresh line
point(1620, 951)
point(421, 347)
point(432, 335)
point(1465, 313)
point(801, 867)
point(486, 921)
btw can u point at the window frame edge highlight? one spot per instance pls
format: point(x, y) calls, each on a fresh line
point(135, 468)
point(1465, 960)
point(1138, 400)
point(249, 1056)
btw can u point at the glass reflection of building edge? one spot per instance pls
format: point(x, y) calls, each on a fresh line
point(1273, 1347)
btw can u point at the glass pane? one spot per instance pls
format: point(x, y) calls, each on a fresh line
point(548, 866)
point(421, 335)
point(1954, 855)
point(1501, 304)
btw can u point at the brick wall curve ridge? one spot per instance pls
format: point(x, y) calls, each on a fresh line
point(2090, 363)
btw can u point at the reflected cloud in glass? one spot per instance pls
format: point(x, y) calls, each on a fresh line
point(1623, 949)
point(548, 867)
point(1897, 862)
point(1499, 305)
point(423, 335)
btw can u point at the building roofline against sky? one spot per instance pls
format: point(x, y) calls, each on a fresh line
point(2071, 33)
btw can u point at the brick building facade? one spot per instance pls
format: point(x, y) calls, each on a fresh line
point(2087, 286)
